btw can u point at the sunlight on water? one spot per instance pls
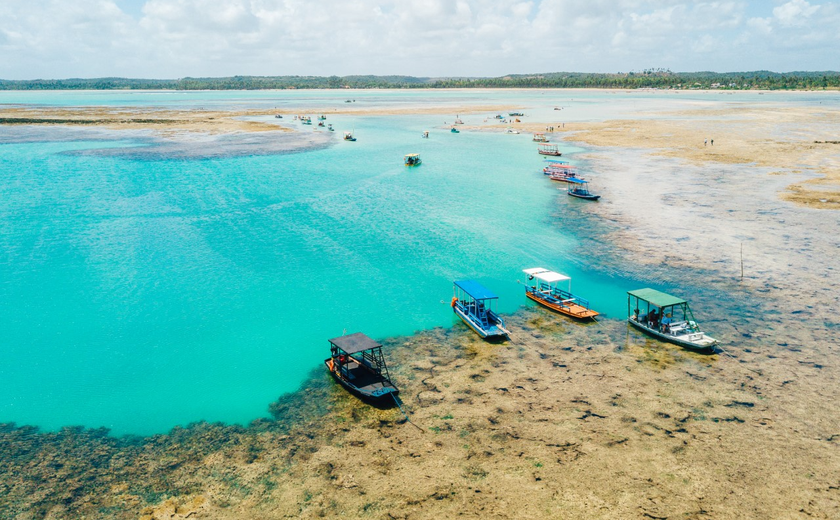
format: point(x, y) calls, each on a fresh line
point(140, 294)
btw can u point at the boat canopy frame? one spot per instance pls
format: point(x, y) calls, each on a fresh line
point(358, 347)
point(663, 303)
point(477, 302)
point(546, 285)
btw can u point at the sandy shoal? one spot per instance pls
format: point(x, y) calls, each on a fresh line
point(798, 140)
point(169, 123)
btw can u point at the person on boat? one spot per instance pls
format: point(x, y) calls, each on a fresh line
point(666, 322)
point(635, 315)
point(653, 318)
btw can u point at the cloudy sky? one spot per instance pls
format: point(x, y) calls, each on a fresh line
point(177, 38)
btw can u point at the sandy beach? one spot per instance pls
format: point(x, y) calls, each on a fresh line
point(565, 420)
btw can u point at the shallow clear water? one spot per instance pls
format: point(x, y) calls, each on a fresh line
point(141, 294)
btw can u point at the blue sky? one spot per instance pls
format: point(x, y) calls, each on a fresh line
point(177, 38)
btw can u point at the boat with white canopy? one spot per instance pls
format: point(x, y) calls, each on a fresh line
point(546, 292)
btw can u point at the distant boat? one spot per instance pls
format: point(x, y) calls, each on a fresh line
point(348, 136)
point(546, 292)
point(473, 303)
point(425, 134)
point(548, 149)
point(454, 130)
point(412, 159)
point(278, 116)
point(356, 361)
point(577, 188)
point(511, 131)
point(515, 114)
point(458, 121)
point(330, 128)
point(668, 318)
point(540, 138)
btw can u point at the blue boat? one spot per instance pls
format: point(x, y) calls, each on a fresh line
point(473, 303)
point(577, 188)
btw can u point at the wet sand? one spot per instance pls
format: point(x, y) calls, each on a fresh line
point(565, 420)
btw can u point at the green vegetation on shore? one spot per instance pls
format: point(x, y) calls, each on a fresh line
point(651, 78)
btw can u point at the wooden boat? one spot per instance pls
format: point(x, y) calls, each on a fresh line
point(515, 114)
point(458, 121)
point(545, 292)
point(454, 130)
point(540, 138)
point(668, 318)
point(549, 149)
point(473, 303)
point(412, 159)
point(356, 362)
point(348, 136)
point(577, 188)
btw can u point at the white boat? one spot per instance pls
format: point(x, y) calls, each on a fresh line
point(668, 318)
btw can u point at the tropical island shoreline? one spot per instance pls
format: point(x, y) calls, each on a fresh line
point(564, 420)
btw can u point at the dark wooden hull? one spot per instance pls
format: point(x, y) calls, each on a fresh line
point(373, 388)
point(584, 197)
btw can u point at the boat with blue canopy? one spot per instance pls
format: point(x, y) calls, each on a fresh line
point(543, 289)
point(357, 363)
point(577, 188)
point(668, 318)
point(474, 303)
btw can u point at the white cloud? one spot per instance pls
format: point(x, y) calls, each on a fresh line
point(795, 13)
point(175, 38)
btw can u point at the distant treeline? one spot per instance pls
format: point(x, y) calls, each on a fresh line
point(653, 78)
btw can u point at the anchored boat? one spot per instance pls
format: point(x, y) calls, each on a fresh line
point(356, 362)
point(668, 318)
point(348, 136)
point(540, 138)
point(454, 130)
point(412, 159)
point(473, 303)
point(549, 149)
point(577, 188)
point(425, 134)
point(546, 292)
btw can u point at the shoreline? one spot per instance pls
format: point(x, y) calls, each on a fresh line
point(564, 420)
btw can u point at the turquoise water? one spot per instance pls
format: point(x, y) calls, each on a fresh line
point(142, 294)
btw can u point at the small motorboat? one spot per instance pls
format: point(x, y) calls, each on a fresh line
point(577, 188)
point(278, 116)
point(668, 318)
point(473, 303)
point(511, 131)
point(330, 128)
point(546, 292)
point(412, 159)
point(357, 363)
point(425, 134)
point(548, 149)
point(515, 114)
point(454, 130)
point(348, 136)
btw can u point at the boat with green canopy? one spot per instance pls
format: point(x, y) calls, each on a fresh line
point(668, 318)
